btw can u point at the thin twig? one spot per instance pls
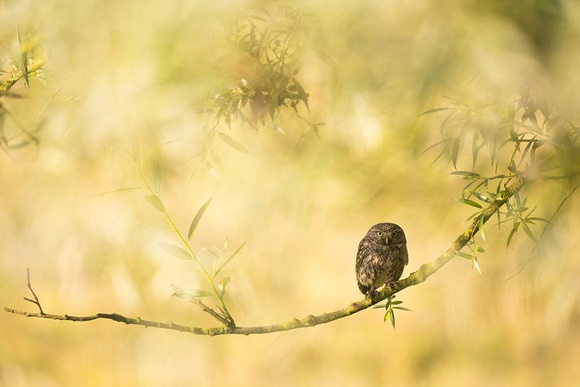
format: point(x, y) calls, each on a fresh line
point(548, 223)
point(415, 278)
point(35, 301)
point(181, 294)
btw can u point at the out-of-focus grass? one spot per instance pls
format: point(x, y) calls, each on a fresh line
point(134, 74)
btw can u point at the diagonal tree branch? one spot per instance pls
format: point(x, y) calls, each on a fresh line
point(415, 278)
point(7, 85)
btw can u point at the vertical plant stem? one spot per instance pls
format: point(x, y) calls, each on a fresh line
point(187, 246)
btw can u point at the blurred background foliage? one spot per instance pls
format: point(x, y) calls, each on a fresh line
point(153, 77)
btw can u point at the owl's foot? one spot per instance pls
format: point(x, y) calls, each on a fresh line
point(390, 286)
point(372, 293)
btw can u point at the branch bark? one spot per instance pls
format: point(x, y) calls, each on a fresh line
point(7, 85)
point(415, 278)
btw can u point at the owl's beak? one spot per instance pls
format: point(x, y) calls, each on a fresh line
point(386, 240)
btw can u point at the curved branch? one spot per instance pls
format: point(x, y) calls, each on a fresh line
point(415, 278)
point(7, 85)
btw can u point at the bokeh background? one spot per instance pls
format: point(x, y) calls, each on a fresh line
point(135, 74)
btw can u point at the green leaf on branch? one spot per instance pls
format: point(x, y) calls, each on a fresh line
point(469, 203)
point(197, 293)
point(390, 307)
point(227, 260)
point(156, 202)
point(223, 284)
point(197, 218)
point(431, 111)
point(466, 174)
point(233, 143)
point(480, 227)
point(464, 255)
point(528, 231)
point(512, 232)
point(390, 315)
point(455, 151)
point(21, 58)
point(176, 251)
point(476, 266)
point(481, 197)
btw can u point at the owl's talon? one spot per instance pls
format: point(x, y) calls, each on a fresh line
point(390, 286)
point(372, 294)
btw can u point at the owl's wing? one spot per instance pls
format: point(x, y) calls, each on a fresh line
point(363, 250)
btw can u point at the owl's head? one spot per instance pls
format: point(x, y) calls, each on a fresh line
point(388, 234)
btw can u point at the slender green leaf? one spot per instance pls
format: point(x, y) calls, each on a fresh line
point(528, 231)
point(456, 101)
point(228, 259)
point(470, 174)
point(392, 318)
point(431, 111)
point(476, 267)
point(202, 293)
point(470, 191)
point(233, 143)
point(455, 151)
point(537, 219)
point(176, 251)
point(115, 191)
point(278, 129)
point(387, 314)
point(434, 145)
point(403, 308)
point(156, 202)
point(469, 202)
point(517, 197)
point(217, 253)
point(223, 284)
point(480, 227)
point(512, 232)
point(197, 293)
point(22, 59)
point(471, 216)
point(474, 148)
point(481, 197)
point(464, 255)
point(197, 218)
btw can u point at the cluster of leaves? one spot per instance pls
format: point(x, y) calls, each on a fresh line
point(270, 47)
point(390, 306)
point(539, 144)
point(22, 62)
point(217, 288)
point(264, 56)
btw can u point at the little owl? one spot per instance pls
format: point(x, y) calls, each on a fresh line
point(381, 258)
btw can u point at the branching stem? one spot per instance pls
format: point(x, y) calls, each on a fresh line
point(415, 278)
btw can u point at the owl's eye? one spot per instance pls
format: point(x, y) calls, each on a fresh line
point(379, 233)
point(395, 233)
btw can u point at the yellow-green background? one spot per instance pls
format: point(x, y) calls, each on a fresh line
point(135, 73)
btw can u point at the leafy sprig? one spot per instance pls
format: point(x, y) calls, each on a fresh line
point(390, 306)
point(538, 137)
point(184, 251)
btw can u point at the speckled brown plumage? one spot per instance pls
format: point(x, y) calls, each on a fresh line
point(382, 255)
